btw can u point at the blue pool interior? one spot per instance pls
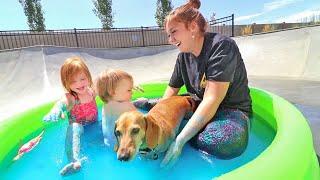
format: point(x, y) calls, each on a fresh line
point(46, 159)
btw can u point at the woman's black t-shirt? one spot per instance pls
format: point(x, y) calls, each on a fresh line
point(219, 60)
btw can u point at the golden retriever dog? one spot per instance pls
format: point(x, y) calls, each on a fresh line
point(152, 133)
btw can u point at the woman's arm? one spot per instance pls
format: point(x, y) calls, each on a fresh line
point(170, 91)
point(213, 96)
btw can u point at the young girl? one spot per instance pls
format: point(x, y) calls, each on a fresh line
point(115, 89)
point(80, 106)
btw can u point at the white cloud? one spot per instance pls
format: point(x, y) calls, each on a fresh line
point(278, 4)
point(242, 18)
point(303, 16)
point(267, 7)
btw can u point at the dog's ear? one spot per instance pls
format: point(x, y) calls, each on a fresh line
point(152, 133)
point(116, 145)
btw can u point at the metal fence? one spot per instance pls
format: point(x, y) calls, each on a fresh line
point(223, 25)
point(101, 38)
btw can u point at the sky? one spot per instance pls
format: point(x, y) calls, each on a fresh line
point(69, 14)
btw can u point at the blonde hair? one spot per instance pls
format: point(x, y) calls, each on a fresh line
point(187, 14)
point(107, 82)
point(70, 68)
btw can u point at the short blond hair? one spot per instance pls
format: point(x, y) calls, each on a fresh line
point(107, 82)
point(70, 68)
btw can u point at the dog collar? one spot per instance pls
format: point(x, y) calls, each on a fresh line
point(147, 151)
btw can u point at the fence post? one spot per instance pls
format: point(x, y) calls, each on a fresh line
point(232, 35)
point(75, 33)
point(284, 25)
point(253, 28)
point(142, 36)
point(2, 38)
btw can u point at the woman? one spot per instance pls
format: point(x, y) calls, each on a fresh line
point(211, 67)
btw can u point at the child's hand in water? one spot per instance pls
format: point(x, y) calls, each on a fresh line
point(56, 113)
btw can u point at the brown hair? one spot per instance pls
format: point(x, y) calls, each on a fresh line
point(107, 82)
point(70, 68)
point(188, 13)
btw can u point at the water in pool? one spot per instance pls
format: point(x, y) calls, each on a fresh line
point(45, 160)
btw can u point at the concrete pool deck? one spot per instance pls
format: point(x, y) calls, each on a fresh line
point(305, 95)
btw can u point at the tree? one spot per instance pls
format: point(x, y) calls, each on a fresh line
point(163, 9)
point(103, 10)
point(33, 10)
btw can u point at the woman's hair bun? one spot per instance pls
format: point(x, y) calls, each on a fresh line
point(194, 3)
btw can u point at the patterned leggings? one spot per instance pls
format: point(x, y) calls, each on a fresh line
point(225, 136)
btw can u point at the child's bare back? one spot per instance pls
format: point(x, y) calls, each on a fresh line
point(110, 112)
point(114, 87)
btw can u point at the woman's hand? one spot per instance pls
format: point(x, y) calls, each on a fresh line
point(172, 153)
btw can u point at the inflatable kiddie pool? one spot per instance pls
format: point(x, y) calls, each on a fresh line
point(289, 154)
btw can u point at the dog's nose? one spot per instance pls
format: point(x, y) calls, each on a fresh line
point(124, 157)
